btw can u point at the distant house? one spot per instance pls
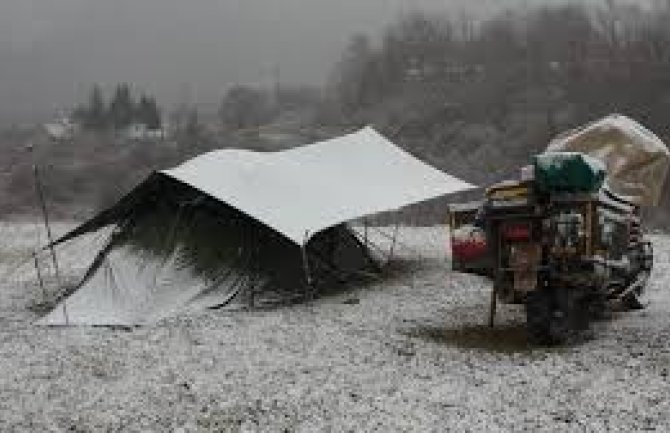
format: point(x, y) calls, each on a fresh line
point(140, 131)
point(450, 69)
point(608, 60)
point(62, 129)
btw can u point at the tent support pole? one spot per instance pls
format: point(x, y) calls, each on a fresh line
point(45, 216)
point(366, 246)
point(251, 301)
point(255, 278)
point(305, 264)
point(494, 297)
point(394, 240)
point(47, 225)
point(365, 231)
point(492, 311)
point(39, 276)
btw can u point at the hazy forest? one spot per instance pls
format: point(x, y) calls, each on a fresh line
point(474, 97)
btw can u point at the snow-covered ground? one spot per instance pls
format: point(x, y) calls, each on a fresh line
point(409, 353)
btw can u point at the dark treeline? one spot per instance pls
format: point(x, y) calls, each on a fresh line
point(122, 110)
point(245, 107)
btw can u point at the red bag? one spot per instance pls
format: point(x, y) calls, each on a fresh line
point(468, 243)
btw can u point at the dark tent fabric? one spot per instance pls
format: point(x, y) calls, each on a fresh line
point(174, 247)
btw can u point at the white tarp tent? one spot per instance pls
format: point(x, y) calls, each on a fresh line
point(299, 193)
point(302, 191)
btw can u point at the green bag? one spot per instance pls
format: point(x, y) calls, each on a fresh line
point(568, 172)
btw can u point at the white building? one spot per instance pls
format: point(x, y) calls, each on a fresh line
point(139, 131)
point(62, 129)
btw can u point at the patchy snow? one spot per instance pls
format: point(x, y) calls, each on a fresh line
point(408, 353)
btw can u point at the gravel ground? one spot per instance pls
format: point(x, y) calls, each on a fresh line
point(406, 354)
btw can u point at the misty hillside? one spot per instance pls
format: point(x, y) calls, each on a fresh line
point(476, 97)
point(51, 52)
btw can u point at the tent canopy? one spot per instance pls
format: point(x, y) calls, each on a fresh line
point(636, 159)
point(302, 191)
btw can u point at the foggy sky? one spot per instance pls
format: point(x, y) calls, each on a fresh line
point(52, 51)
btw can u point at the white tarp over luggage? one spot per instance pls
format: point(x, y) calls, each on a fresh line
point(302, 194)
point(636, 159)
point(302, 191)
